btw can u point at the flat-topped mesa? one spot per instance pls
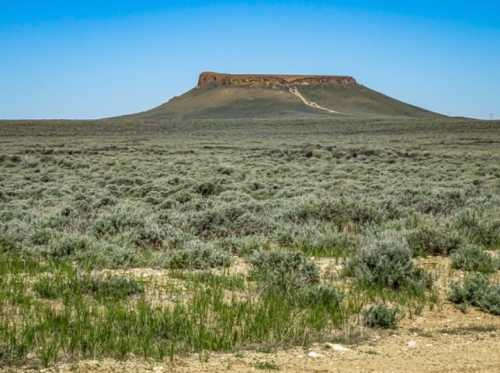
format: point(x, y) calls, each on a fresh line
point(210, 79)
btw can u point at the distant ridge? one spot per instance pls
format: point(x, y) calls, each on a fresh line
point(232, 96)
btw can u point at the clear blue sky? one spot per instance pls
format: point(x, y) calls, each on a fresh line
point(90, 58)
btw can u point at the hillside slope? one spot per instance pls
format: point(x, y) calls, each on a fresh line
point(360, 100)
point(232, 102)
point(224, 96)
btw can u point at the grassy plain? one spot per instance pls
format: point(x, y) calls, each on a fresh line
point(125, 238)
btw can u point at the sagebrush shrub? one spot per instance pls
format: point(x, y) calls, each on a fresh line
point(490, 301)
point(479, 227)
point(42, 236)
point(13, 234)
point(168, 204)
point(381, 316)
point(433, 240)
point(54, 221)
point(195, 255)
point(208, 188)
point(244, 246)
point(473, 258)
point(66, 245)
point(226, 219)
point(105, 201)
point(438, 202)
point(315, 239)
point(116, 221)
point(109, 255)
point(320, 296)
point(283, 271)
point(183, 196)
point(155, 234)
point(476, 290)
point(340, 212)
point(386, 262)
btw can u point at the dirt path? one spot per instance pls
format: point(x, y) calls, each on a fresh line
point(295, 91)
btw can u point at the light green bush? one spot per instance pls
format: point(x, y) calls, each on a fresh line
point(66, 245)
point(473, 258)
point(283, 271)
point(195, 255)
point(433, 240)
point(387, 262)
point(381, 316)
point(320, 296)
point(476, 290)
point(480, 227)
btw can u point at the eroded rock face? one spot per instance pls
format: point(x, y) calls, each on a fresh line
point(209, 79)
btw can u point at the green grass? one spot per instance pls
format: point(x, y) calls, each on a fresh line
point(111, 316)
point(65, 285)
point(227, 282)
point(86, 327)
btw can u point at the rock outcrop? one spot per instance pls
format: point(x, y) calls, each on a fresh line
point(211, 79)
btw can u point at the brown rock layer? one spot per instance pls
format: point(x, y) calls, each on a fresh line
point(216, 79)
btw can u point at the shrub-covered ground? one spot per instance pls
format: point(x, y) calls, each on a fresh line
point(259, 235)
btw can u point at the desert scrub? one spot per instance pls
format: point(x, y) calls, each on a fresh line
point(65, 245)
point(476, 290)
point(283, 271)
point(474, 258)
point(194, 255)
point(110, 255)
point(387, 262)
point(381, 316)
point(327, 297)
point(86, 250)
point(433, 239)
point(229, 219)
point(340, 212)
point(107, 195)
point(245, 246)
point(154, 234)
point(318, 240)
point(479, 226)
point(13, 234)
point(437, 202)
point(119, 219)
point(209, 188)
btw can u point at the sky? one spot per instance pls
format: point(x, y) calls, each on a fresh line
point(92, 59)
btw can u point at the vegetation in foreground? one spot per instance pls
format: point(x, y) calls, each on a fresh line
point(81, 205)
